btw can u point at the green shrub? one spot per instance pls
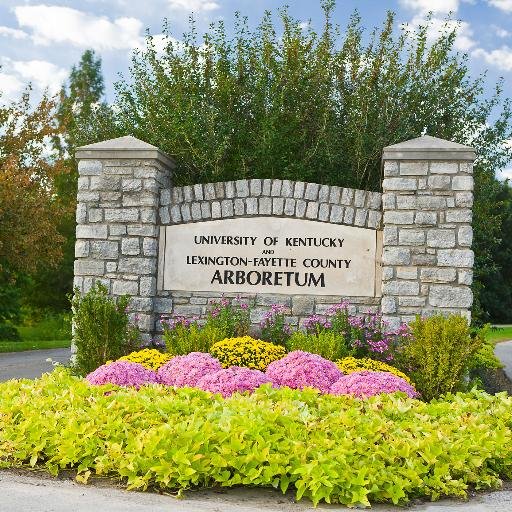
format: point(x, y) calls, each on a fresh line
point(183, 335)
point(9, 333)
point(326, 343)
point(232, 318)
point(323, 447)
point(102, 330)
point(439, 353)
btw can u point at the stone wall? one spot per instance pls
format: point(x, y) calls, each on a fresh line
point(125, 196)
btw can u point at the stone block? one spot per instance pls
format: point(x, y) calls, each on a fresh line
point(374, 219)
point(388, 273)
point(185, 212)
point(87, 197)
point(444, 167)
point(388, 305)
point(302, 305)
point(347, 196)
point(359, 198)
point(323, 194)
point(289, 207)
point(83, 183)
point(275, 190)
point(277, 205)
point(437, 275)
point(216, 210)
point(360, 217)
point(312, 210)
point(425, 218)
point(465, 277)
point(266, 187)
point(447, 296)
point(348, 217)
point(398, 218)
point(389, 201)
point(105, 182)
point(148, 215)
point(441, 238)
point(150, 247)
point(195, 211)
point(465, 236)
point(374, 200)
point(89, 267)
point(198, 192)
point(227, 208)
point(287, 188)
point(323, 212)
point(251, 204)
point(165, 197)
point(300, 208)
point(337, 214)
point(396, 256)
point(411, 168)
point(439, 182)
point(298, 191)
point(176, 213)
point(130, 246)
point(131, 185)
point(125, 287)
point(162, 305)
point(103, 249)
point(147, 286)
point(242, 188)
point(81, 248)
point(255, 188)
point(137, 265)
point(399, 184)
point(188, 193)
point(117, 230)
point(209, 191)
point(415, 302)
point(239, 207)
point(121, 214)
point(391, 168)
point(81, 213)
point(455, 258)
point(390, 235)
point(206, 211)
point(265, 205)
point(165, 218)
point(96, 231)
point(464, 199)
point(311, 193)
point(423, 259)
point(459, 215)
point(90, 167)
point(400, 288)
point(407, 272)
point(411, 236)
point(220, 193)
point(462, 183)
point(335, 195)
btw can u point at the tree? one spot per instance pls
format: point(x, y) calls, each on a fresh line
point(291, 103)
point(78, 100)
point(29, 239)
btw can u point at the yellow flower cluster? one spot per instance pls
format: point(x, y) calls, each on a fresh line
point(148, 357)
point(350, 365)
point(246, 351)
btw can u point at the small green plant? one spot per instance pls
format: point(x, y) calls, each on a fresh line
point(274, 328)
point(102, 329)
point(326, 343)
point(184, 335)
point(439, 354)
point(230, 317)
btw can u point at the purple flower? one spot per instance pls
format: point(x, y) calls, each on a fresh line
point(186, 370)
point(122, 373)
point(300, 369)
point(364, 384)
point(233, 380)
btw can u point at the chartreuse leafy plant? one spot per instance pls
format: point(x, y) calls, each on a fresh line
point(440, 351)
point(322, 447)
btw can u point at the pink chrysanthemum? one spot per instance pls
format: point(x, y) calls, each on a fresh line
point(232, 380)
point(122, 373)
point(185, 371)
point(366, 383)
point(300, 369)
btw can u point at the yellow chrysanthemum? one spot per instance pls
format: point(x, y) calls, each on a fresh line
point(148, 357)
point(246, 351)
point(350, 365)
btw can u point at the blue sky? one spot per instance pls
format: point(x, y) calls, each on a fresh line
point(41, 40)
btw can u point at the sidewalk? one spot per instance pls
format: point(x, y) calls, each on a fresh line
point(40, 493)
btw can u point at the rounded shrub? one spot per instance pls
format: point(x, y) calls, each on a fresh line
point(122, 373)
point(352, 364)
point(246, 351)
point(299, 369)
point(185, 371)
point(364, 384)
point(234, 379)
point(149, 358)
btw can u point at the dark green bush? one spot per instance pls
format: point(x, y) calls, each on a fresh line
point(9, 333)
point(102, 329)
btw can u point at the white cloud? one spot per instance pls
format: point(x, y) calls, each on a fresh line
point(500, 58)
point(503, 5)
point(56, 24)
point(13, 32)
point(500, 31)
point(436, 6)
point(10, 87)
point(193, 5)
point(505, 174)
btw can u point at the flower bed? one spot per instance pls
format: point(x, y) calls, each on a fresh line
point(318, 445)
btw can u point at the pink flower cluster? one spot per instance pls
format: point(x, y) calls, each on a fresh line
point(187, 370)
point(366, 383)
point(122, 373)
point(300, 369)
point(234, 379)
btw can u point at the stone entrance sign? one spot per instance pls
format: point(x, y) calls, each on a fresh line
point(270, 255)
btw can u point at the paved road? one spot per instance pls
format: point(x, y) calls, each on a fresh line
point(31, 363)
point(41, 494)
point(504, 353)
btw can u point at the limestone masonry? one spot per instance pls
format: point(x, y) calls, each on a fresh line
point(125, 198)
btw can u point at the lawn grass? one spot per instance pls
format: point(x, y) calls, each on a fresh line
point(502, 333)
point(18, 346)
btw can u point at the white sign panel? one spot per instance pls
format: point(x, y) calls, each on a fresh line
point(270, 255)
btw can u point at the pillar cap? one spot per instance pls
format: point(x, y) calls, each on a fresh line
point(122, 148)
point(427, 147)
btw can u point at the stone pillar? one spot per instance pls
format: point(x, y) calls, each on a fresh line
point(427, 205)
point(118, 221)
